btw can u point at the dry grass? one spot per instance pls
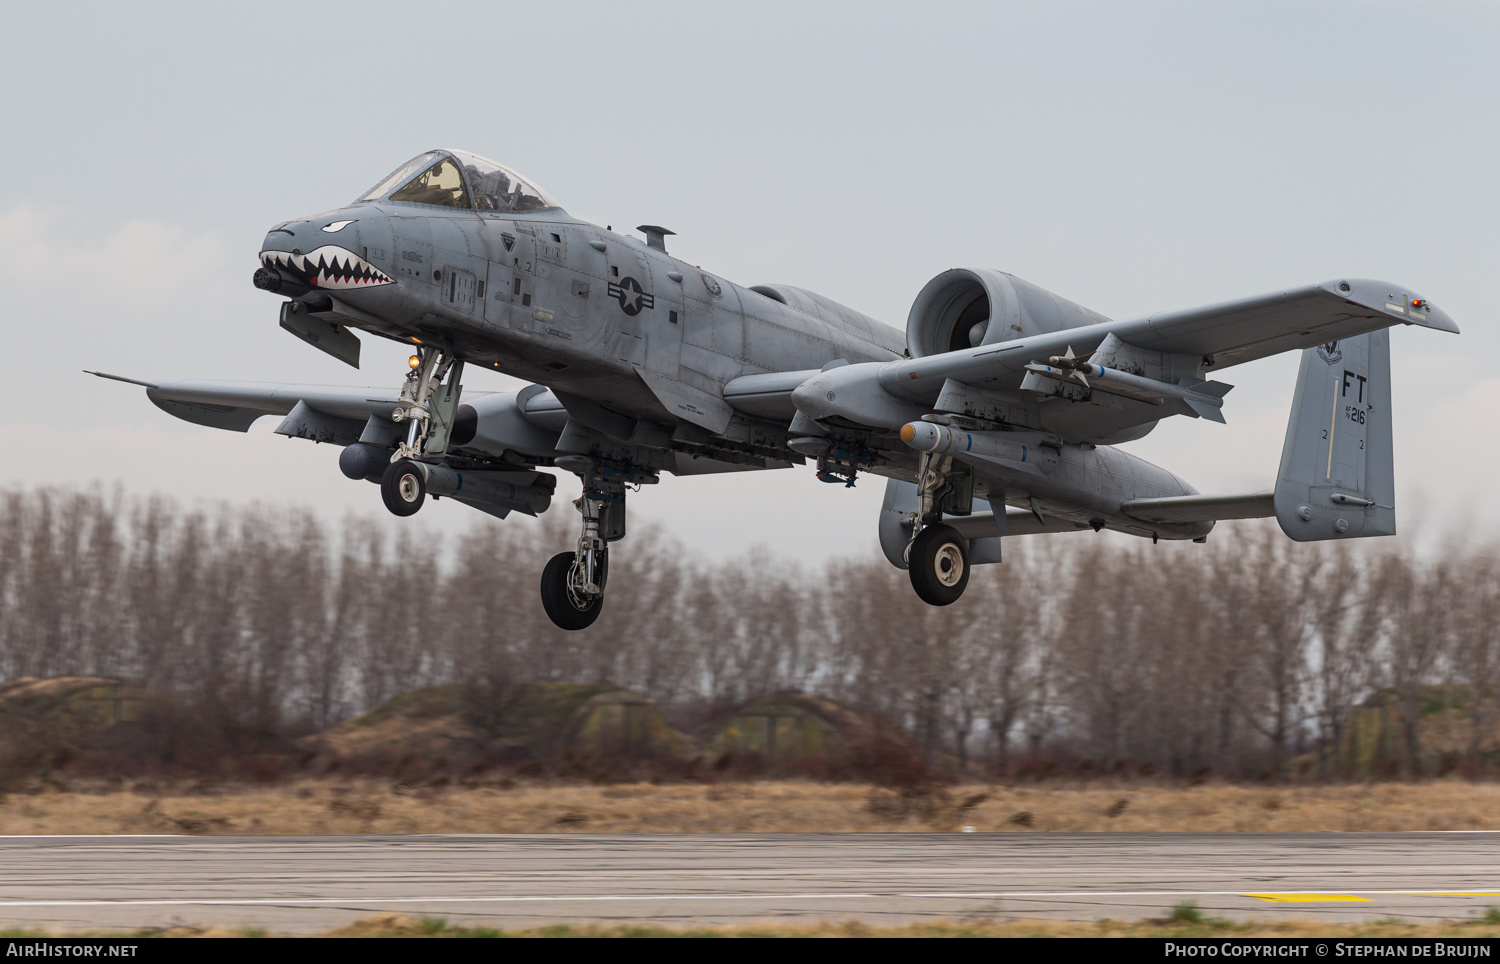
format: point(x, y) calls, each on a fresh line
point(370, 806)
point(398, 925)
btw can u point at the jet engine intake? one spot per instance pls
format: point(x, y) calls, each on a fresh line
point(967, 307)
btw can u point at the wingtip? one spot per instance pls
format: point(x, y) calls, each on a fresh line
point(1440, 321)
point(1388, 299)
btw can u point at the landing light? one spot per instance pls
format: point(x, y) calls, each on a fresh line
point(415, 361)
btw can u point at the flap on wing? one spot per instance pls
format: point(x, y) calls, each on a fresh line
point(1201, 508)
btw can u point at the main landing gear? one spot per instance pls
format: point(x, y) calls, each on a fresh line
point(938, 562)
point(937, 559)
point(573, 582)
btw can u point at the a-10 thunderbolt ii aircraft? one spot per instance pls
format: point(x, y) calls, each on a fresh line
point(994, 415)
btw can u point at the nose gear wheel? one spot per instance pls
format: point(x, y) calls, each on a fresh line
point(403, 488)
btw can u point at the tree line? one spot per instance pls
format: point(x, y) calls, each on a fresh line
point(1237, 657)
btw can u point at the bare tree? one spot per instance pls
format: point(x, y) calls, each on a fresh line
point(1476, 652)
point(1283, 579)
point(1420, 607)
point(1177, 656)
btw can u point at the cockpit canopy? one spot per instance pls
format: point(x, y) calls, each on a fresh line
point(458, 179)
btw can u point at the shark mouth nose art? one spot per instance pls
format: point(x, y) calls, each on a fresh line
point(330, 267)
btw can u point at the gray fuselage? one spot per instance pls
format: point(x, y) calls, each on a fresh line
point(600, 316)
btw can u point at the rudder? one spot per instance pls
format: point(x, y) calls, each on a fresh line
point(1337, 477)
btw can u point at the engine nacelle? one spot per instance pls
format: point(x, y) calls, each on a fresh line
point(966, 307)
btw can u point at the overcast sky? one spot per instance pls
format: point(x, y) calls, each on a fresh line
point(1131, 157)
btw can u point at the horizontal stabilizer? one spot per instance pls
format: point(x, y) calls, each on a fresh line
point(1187, 509)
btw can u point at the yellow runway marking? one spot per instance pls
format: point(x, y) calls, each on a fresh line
point(1304, 898)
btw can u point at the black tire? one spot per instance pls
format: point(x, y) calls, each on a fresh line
point(939, 565)
point(558, 602)
point(403, 488)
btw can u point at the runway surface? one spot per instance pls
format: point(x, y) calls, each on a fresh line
point(311, 884)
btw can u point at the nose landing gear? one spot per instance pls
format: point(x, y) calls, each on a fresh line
point(428, 405)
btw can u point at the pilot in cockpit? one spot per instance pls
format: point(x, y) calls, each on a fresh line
point(445, 179)
point(491, 189)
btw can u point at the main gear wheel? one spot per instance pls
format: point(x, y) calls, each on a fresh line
point(566, 594)
point(938, 563)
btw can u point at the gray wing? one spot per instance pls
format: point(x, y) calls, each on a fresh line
point(236, 405)
point(1226, 334)
point(324, 413)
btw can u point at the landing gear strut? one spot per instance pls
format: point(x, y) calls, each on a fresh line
point(573, 582)
point(937, 559)
point(428, 404)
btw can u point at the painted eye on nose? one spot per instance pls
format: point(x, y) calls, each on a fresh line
point(337, 226)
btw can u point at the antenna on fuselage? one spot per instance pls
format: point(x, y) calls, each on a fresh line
point(656, 236)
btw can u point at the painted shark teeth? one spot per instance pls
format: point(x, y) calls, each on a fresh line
point(330, 267)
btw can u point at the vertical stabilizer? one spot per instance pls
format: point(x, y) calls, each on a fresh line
point(1337, 478)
